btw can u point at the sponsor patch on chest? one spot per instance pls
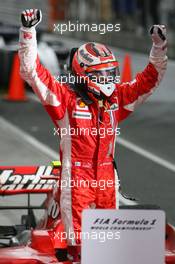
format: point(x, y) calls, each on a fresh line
point(81, 110)
point(82, 115)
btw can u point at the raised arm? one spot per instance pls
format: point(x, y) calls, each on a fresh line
point(133, 93)
point(50, 92)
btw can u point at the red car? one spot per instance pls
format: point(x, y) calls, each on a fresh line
point(32, 242)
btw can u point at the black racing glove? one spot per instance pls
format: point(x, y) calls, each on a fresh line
point(158, 35)
point(31, 17)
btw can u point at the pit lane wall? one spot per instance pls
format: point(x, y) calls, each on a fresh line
point(135, 17)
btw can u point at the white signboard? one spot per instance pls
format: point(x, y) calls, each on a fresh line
point(123, 237)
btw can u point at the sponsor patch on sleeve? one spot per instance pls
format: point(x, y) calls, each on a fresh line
point(27, 35)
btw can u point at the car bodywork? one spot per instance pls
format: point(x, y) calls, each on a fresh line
point(38, 241)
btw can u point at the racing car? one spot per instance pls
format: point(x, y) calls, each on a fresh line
point(40, 241)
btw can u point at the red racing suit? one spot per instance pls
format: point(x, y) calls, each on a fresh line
point(87, 144)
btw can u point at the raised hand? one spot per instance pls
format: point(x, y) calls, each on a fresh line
point(31, 17)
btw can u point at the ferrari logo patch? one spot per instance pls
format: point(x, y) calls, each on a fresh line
point(82, 104)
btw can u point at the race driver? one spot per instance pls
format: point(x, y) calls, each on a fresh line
point(91, 103)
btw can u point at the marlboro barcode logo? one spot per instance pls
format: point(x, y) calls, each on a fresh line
point(12, 179)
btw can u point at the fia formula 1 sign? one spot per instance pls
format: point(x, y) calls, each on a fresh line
point(123, 237)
